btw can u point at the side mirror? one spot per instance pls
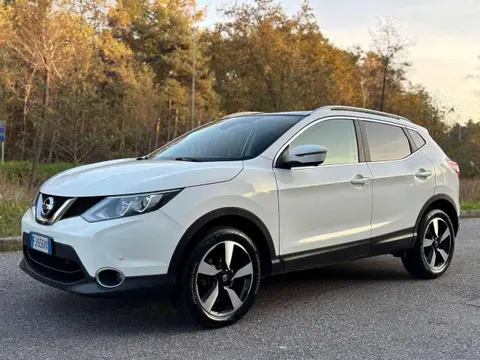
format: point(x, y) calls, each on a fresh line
point(303, 155)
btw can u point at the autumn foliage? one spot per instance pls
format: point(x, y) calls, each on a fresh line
point(83, 81)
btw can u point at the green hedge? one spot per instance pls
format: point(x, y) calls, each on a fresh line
point(21, 170)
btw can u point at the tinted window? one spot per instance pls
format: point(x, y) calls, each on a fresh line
point(237, 138)
point(338, 136)
point(417, 138)
point(386, 142)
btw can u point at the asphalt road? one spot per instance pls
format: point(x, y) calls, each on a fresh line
point(368, 309)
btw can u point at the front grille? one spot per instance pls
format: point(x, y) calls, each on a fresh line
point(53, 267)
point(58, 202)
point(81, 205)
point(77, 208)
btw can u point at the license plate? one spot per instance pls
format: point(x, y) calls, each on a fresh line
point(41, 243)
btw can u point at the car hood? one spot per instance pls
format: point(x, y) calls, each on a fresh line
point(130, 176)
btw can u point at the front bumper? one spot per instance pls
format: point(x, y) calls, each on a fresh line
point(64, 271)
point(140, 247)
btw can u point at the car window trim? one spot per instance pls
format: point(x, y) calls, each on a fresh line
point(387, 122)
point(413, 146)
point(150, 156)
point(425, 140)
point(369, 160)
point(314, 122)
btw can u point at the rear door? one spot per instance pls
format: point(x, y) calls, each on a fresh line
point(403, 181)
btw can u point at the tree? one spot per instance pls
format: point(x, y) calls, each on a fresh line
point(89, 80)
point(160, 35)
point(390, 48)
point(264, 60)
point(46, 41)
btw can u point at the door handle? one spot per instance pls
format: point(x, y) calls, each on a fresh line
point(360, 180)
point(423, 174)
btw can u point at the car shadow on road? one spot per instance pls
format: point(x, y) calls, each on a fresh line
point(155, 315)
point(384, 268)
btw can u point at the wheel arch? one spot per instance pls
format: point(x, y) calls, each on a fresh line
point(239, 218)
point(442, 202)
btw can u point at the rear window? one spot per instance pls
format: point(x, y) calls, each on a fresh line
point(237, 138)
point(386, 142)
point(417, 138)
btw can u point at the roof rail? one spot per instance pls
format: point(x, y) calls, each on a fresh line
point(362, 110)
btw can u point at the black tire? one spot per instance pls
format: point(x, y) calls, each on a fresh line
point(194, 304)
point(419, 259)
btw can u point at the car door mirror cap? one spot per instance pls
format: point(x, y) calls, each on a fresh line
point(303, 155)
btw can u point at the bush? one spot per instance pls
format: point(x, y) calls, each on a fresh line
point(46, 171)
point(16, 170)
point(21, 170)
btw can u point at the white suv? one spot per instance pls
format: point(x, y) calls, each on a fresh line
point(212, 212)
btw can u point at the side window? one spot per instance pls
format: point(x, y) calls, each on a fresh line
point(417, 138)
point(386, 142)
point(338, 136)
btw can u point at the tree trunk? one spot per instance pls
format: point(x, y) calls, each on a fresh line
point(24, 131)
point(28, 89)
point(385, 71)
point(169, 118)
point(52, 146)
point(41, 135)
point(175, 129)
point(122, 124)
point(364, 93)
point(157, 132)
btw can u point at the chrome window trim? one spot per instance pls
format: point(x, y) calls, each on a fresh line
point(386, 122)
point(306, 127)
point(322, 166)
point(347, 117)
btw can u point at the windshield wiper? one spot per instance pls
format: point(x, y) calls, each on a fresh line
point(187, 159)
point(142, 158)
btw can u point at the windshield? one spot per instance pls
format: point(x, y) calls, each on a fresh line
point(238, 138)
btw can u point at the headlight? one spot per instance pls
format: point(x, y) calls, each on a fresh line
point(115, 207)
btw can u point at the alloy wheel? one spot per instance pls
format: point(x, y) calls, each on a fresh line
point(224, 279)
point(437, 244)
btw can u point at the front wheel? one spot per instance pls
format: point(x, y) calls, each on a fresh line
point(433, 251)
point(221, 278)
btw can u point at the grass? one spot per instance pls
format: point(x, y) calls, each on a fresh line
point(470, 194)
point(15, 198)
point(470, 191)
point(471, 206)
point(10, 246)
point(14, 201)
point(10, 216)
point(14, 195)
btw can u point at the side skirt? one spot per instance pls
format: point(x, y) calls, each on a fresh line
point(392, 243)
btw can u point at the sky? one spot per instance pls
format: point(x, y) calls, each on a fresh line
point(445, 38)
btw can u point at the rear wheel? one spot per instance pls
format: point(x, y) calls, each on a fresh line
point(433, 251)
point(221, 278)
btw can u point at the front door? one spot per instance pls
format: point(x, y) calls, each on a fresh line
point(328, 207)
